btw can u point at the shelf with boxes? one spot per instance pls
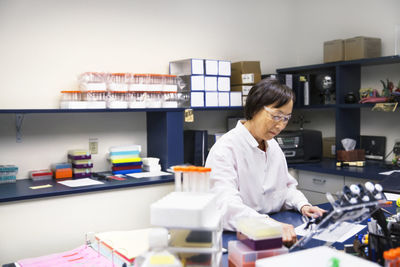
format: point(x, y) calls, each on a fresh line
point(207, 82)
point(328, 85)
point(163, 125)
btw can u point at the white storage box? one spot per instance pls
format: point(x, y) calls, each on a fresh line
point(193, 82)
point(224, 84)
point(224, 68)
point(185, 210)
point(236, 99)
point(210, 83)
point(211, 67)
point(197, 99)
point(315, 257)
point(223, 99)
point(211, 99)
point(187, 67)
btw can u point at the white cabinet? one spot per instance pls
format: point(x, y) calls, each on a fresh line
point(354, 180)
point(314, 185)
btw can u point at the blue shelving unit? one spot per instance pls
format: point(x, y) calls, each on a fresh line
point(348, 79)
point(164, 128)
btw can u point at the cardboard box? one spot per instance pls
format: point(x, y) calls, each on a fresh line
point(245, 72)
point(351, 155)
point(334, 50)
point(362, 47)
point(245, 89)
point(244, 98)
point(329, 147)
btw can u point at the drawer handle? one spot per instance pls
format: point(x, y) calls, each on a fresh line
point(318, 181)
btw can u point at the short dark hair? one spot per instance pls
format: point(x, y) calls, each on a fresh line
point(268, 91)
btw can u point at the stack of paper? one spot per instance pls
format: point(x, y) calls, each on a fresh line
point(125, 245)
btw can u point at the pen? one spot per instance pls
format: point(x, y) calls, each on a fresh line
point(386, 211)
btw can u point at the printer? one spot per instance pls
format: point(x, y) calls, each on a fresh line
point(301, 145)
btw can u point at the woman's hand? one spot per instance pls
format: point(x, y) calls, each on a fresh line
point(289, 236)
point(312, 211)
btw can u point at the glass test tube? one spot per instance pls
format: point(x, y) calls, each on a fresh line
point(71, 95)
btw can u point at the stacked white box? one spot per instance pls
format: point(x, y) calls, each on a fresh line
point(191, 72)
point(206, 75)
point(189, 217)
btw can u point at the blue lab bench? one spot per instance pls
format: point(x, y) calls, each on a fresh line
point(21, 189)
point(295, 218)
point(370, 171)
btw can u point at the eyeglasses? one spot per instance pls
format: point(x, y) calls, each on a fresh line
point(278, 118)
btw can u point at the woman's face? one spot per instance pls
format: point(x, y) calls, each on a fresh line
point(270, 121)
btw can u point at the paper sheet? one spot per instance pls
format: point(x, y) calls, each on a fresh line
point(391, 196)
point(80, 182)
point(389, 172)
point(339, 234)
point(147, 174)
point(41, 186)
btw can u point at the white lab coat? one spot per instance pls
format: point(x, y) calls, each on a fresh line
point(249, 182)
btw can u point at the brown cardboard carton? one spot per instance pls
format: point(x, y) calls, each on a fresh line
point(245, 72)
point(244, 98)
point(329, 147)
point(333, 50)
point(351, 155)
point(362, 47)
point(242, 88)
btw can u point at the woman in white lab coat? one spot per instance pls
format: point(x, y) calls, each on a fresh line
point(249, 173)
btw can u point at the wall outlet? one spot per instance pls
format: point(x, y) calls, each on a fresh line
point(93, 146)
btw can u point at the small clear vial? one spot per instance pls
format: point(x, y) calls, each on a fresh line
point(71, 96)
point(178, 178)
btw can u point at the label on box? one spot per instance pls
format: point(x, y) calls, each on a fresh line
point(248, 78)
point(246, 89)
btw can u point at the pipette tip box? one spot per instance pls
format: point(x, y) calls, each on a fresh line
point(260, 244)
point(79, 154)
point(241, 255)
point(259, 233)
point(40, 175)
point(8, 174)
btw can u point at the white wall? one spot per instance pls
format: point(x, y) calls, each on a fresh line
point(39, 227)
point(46, 138)
point(45, 44)
point(321, 20)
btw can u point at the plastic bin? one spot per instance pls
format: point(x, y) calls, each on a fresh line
point(241, 255)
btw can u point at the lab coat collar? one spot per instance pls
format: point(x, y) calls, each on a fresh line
point(246, 134)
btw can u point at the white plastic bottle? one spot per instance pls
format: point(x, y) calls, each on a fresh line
point(158, 255)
